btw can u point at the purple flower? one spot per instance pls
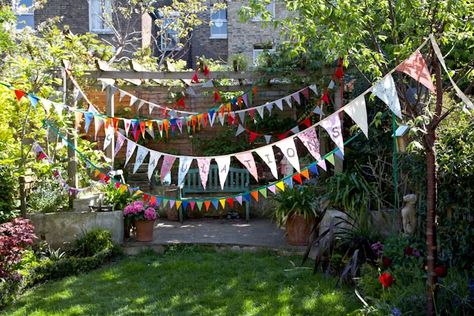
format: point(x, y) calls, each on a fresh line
point(377, 248)
point(396, 312)
point(150, 214)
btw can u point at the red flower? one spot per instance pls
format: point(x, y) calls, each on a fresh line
point(386, 279)
point(386, 262)
point(441, 271)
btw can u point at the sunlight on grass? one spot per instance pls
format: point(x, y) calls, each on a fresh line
point(191, 280)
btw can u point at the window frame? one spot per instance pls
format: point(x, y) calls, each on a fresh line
point(174, 16)
point(91, 17)
point(220, 35)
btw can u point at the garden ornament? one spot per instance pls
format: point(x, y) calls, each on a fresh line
point(409, 214)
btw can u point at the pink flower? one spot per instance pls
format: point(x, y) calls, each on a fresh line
point(150, 214)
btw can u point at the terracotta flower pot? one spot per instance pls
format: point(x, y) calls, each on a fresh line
point(144, 230)
point(298, 229)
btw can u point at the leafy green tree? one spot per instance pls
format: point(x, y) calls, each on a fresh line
point(374, 36)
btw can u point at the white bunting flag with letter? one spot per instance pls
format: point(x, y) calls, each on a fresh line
point(109, 135)
point(204, 164)
point(184, 164)
point(142, 152)
point(119, 143)
point(357, 111)
point(223, 165)
point(153, 163)
point(166, 166)
point(309, 138)
point(332, 124)
point(131, 145)
point(386, 91)
point(288, 149)
point(267, 155)
point(247, 160)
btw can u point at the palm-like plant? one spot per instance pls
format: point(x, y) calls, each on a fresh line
point(301, 200)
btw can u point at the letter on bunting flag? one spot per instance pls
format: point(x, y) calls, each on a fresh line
point(247, 160)
point(184, 164)
point(267, 155)
point(415, 67)
point(332, 124)
point(386, 90)
point(204, 165)
point(109, 135)
point(131, 145)
point(309, 138)
point(223, 165)
point(166, 166)
point(142, 152)
point(288, 148)
point(357, 111)
point(153, 163)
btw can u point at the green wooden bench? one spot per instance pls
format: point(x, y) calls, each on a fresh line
point(238, 181)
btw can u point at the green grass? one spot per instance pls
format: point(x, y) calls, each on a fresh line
point(192, 280)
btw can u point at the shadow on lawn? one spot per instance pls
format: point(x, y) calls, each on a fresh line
point(192, 281)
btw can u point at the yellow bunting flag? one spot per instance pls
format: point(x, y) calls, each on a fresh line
point(254, 195)
point(280, 185)
point(330, 159)
point(178, 204)
point(222, 202)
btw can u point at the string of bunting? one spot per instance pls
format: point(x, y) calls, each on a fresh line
point(274, 187)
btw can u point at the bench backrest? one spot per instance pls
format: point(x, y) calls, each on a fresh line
point(238, 180)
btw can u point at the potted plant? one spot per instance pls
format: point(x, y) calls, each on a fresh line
point(142, 217)
point(296, 210)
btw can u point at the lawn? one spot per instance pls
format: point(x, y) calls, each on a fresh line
point(192, 280)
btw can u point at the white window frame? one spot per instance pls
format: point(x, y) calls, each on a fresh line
point(258, 51)
point(225, 22)
point(106, 29)
point(21, 10)
point(173, 17)
point(270, 8)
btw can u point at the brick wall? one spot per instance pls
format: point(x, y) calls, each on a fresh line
point(244, 36)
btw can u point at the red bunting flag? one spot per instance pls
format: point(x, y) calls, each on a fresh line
point(115, 123)
point(230, 201)
point(325, 97)
point(206, 71)
point(282, 136)
point(195, 78)
point(142, 128)
point(19, 94)
point(207, 204)
point(252, 113)
point(297, 178)
point(230, 119)
point(307, 122)
point(254, 195)
point(415, 67)
point(217, 96)
point(181, 103)
point(145, 197)
point(253, 136)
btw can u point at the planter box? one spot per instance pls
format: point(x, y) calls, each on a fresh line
point(60, 229)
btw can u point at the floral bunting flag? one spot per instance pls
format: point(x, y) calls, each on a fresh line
point(288, 148)
point(119, 143)
point(184, 164)
point(357, 111)
point(415, 67)
point(223, 165)
point(332, 124)
point(142, 152)
point(267, 155)
point(166, 166)
point(386, 91)
point(153, 162)
point(204, 165)
point(130, 149)
point(247, 160)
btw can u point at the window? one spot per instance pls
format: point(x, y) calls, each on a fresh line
point(169, 34)
point(24, 10)
point(258, 52)
point(219, 24)
point(100, 16)
point(270, 8)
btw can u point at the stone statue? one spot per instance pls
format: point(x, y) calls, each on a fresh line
point(409, 214)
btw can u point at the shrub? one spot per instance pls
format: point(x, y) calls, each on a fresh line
point(48, 197)
point(7, 193)
point(92, 243)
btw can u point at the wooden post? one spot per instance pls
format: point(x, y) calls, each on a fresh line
point(110, 111)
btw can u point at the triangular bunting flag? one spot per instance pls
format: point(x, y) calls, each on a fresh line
point(330, 159)
point(184, 164)
point(288, 148)
point(305, 173)
point(267, 155)
point(223, 165)
point(238, 198)
point(247, 160)
point(386, 91)
point(130, 149)
point(415, 67)
point(240, 130)
point(280, 185)
point(263, 192)
point(358, 113)
point(178, 204)
point(142, 152)
point(254, 195)
point(297, 178)
point(279, 104)
point(222, 203)
point(153, 162)
point(166, 166)
point(332, 124)
point(203, 165)
point(268, 138)
point(207, 204)
point(215, 203)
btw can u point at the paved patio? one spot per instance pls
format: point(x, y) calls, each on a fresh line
point(257, 233)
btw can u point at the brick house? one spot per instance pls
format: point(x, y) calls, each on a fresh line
point(220, 36)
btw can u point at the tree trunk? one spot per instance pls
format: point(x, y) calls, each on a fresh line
point(431, 177)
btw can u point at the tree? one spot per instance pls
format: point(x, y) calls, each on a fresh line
point(375, 36)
